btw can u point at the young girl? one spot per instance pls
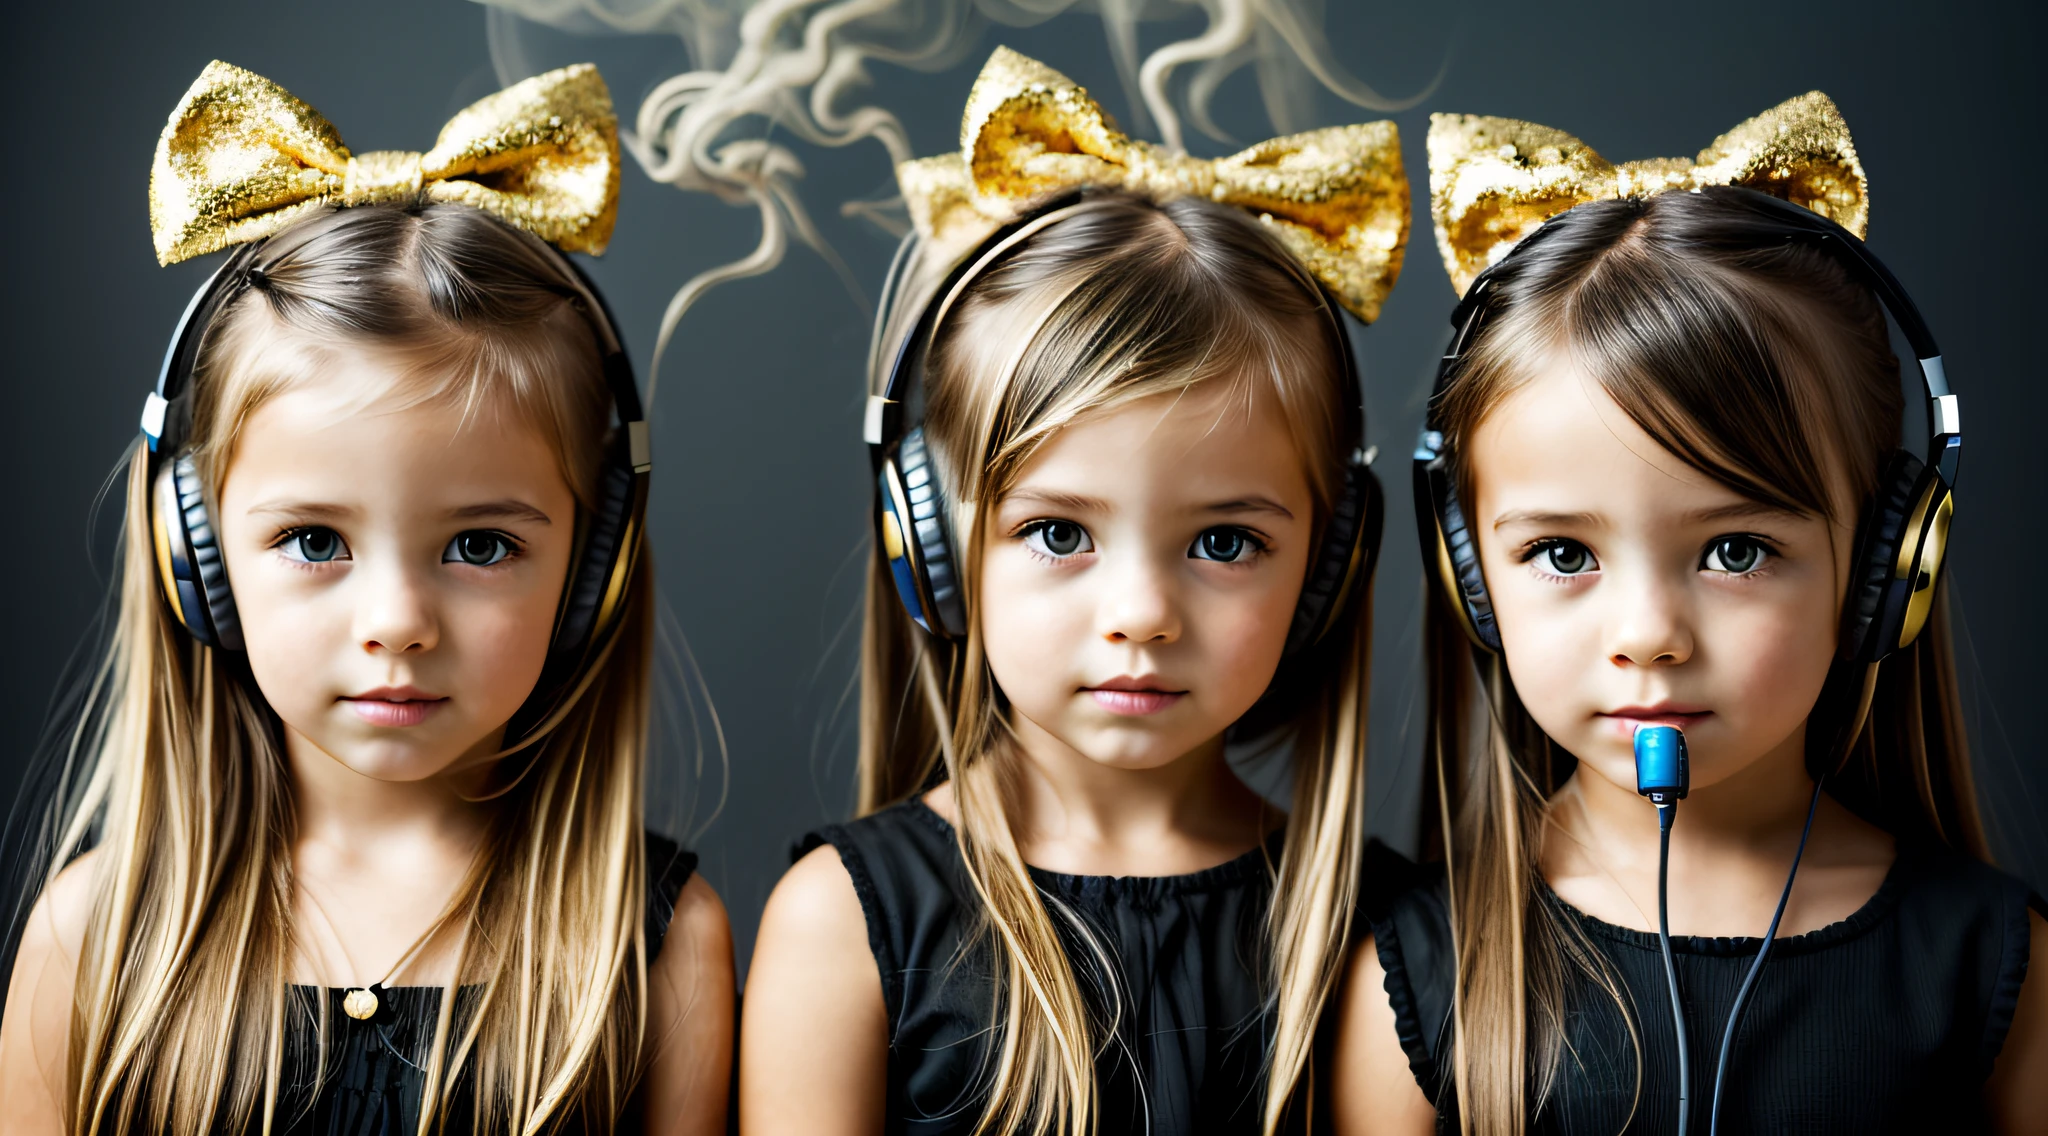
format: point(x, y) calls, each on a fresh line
point(356, 842)
point(1662, 462)
point(1133, 523)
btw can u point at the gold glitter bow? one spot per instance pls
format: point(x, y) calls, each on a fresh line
point(1337, 198)
point(241, 158)
point(1492, 181)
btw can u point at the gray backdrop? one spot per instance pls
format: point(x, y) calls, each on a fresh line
point(760, 499)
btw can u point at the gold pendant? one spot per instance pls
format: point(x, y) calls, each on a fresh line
point(360, 1004)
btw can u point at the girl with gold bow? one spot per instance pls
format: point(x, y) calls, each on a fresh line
point(1124, 516)
point(351, 839)
point(1661, 486)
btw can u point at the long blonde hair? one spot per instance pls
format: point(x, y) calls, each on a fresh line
point(176, 774)
point(1764, 365)
point(1120, 301)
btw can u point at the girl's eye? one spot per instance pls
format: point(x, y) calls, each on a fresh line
point(1057, 539)
point(313, 545)
point(1225, 545)
point(480, 548)
point(1735, 555)
point(1565, 558)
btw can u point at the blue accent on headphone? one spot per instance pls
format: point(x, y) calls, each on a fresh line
point(1662, 772)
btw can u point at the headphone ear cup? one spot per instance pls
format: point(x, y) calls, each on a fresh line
point(899, 545)
point(189, 561)
point(1455, 557)
point(591, 603)
point(927, 575)
point(1344, 561)
point(1898, 560)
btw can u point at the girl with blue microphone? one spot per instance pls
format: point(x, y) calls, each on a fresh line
point(1683, 557)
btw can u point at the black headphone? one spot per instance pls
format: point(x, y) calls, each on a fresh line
point(1903, 536)
point(188, 555)
point(911, 516)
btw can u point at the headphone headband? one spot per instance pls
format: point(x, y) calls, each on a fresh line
point(1944, 447)
point(166, 416)
point(883, 425)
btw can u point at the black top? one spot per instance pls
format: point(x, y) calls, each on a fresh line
point(371, 1087)
point(1887, 1021)
point(1191, 1043)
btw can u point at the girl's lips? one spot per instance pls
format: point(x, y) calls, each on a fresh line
point(1625, 723)
point(1135, 703)
point(386, 712)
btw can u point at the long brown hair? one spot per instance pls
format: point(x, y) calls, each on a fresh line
point(177, 778)
point(1765, 365)
point(1120, 301)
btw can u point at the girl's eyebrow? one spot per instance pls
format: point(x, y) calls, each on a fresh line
point(1252, 504)
point(1740, 509)
point(1079, 503)
point(1072, 502)
point(507, 510)
point(1546, 519)
point(303, 510)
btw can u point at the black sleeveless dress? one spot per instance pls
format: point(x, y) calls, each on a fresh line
point(372, 1086)
point(1190, 1050)
point(1887, 1021)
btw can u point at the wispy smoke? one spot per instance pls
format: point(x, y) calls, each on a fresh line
point(791, 66)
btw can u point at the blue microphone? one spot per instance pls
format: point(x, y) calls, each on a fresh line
point(1663, 776)
point(1662, 773)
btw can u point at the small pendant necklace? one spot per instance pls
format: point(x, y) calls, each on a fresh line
point(372, 1003)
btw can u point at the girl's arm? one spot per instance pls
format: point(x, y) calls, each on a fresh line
point(35, 1037)
point(814, 1036)
point(690, 1019)
point(1372, 1090)
point(2018, 1090)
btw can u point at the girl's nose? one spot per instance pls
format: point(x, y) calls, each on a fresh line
point(396, 614)
point(1141, 607)
point(1651, 629)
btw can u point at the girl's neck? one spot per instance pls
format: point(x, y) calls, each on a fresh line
point(375, 866)
point(1732, 843)
point(341, 808)
point(1077, 815)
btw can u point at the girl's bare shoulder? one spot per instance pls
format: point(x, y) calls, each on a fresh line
point(56, 925)
point(36, 1029)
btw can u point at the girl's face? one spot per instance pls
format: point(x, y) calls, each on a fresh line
point(396, 570)
point(1138, 579)
point(1633, 590)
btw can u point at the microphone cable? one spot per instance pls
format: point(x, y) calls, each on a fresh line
point(1756, 968)
point(1666, 810)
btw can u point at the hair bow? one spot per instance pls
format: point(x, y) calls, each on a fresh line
point(1337, 198)
point(1492, 181)
point(241, 158)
